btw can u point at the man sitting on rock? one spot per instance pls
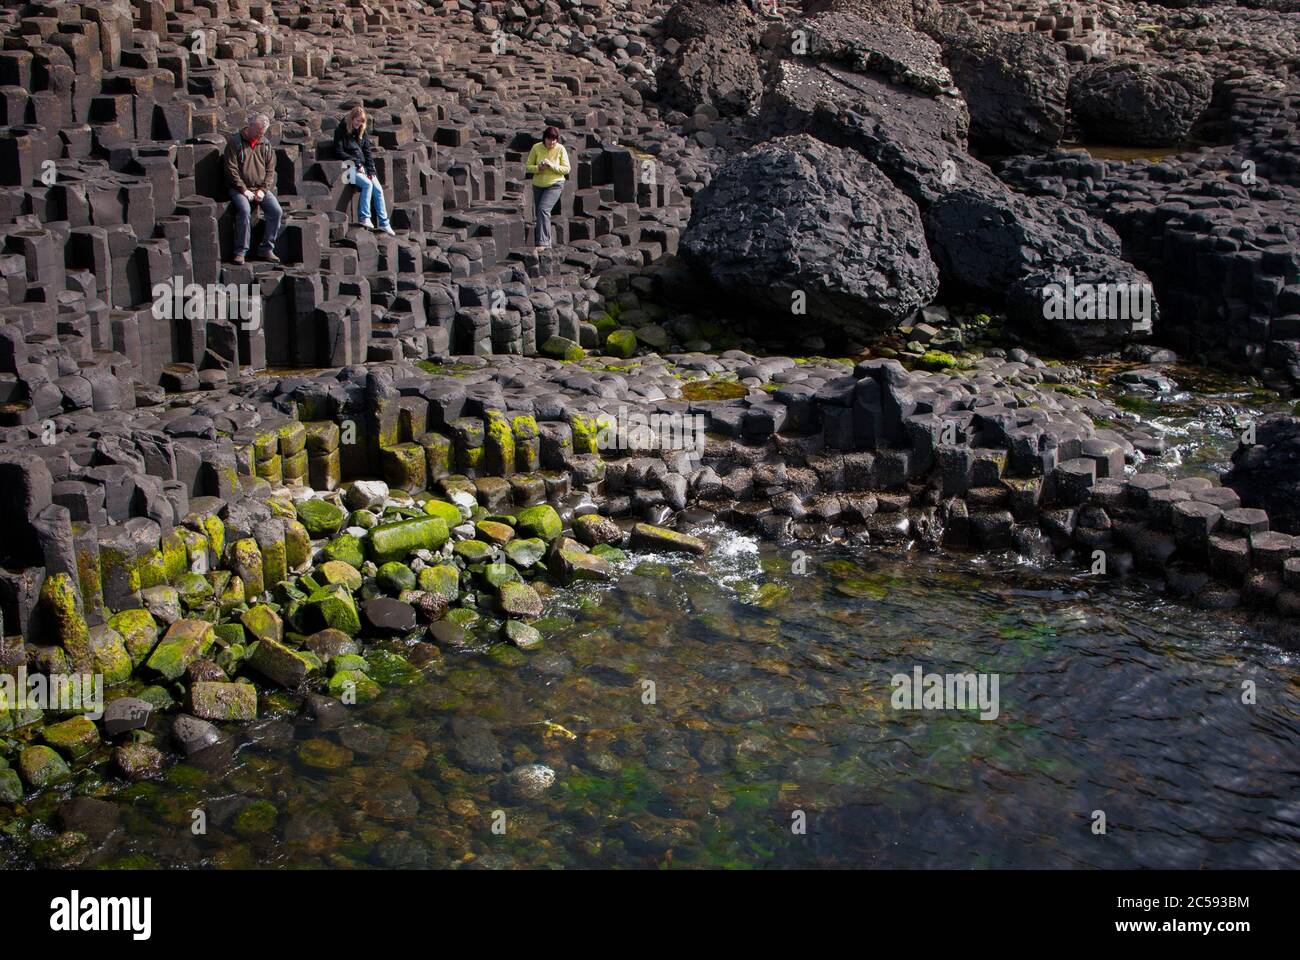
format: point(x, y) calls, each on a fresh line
point(250, 170)
point(352, 146)
point(548, 162)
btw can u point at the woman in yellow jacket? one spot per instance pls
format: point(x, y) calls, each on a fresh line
point(548, 162)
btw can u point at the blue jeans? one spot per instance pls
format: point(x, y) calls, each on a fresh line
point(544, 200)
point(371, 199)
point(243, 221)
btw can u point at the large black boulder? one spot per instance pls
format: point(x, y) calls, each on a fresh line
point(1138, 104)
point(712, 59)
point(796, 214)
point(1266, 474)
point(1015, 86)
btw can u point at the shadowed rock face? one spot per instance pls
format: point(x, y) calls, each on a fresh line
point(986, 239)
point(1267, 475)
point(1127, 102)
point(1015, 86)
point(795, 214)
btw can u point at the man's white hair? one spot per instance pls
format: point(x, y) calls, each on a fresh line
point(260, 120)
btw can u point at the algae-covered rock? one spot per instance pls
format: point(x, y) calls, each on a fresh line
point(11, 786)
point(491, 532)
point(41, 767)
point(592, 529)
point(280, 664)
point(540, 521)
point(647, 536)
point(394, 541)
point(448, 513)
point(73, 738)
point(562, 348)
point(522, 635)
point(223, 701)
point(336, 609)
point(246, 562)
point(352, 686)
point(525, 552)
point(163, 602)
point(112, 660)
point(621, 343)
point(337, 571)
point(473, 551)
point(263, 622)
point(61, 601)
point(138, 761)
point(570, 564)
point(497, 574)
point(346, 549)
point(184, 642)
point(608, 553)
point(257, 818)
point(395, 577)
point(443, 579)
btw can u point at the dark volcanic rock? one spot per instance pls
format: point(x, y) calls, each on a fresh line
point(718, 71)
point(1267, 474)
point(1015, 86)
point(795, 214)
point(984, 236)
point(1129, 102)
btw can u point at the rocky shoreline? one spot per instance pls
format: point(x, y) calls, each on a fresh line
point(476, 425)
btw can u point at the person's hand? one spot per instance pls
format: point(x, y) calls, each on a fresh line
point(261, 194)
point(249, 196)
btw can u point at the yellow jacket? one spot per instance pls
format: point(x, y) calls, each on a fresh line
point(558, 156)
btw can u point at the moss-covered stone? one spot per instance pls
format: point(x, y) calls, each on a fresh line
point(111, 658)
point(495, 574)
point(562, 348)
point(518, 599)
point(448, 513)
point(525, 552)
point(223, 701)
point(246, 561)
point(570, 564)
point(499, 445)
point(322, 436)
point(175, 556)
point(540, 521)
point(336, 609)
point(61, 601)
point(438, 458)
point(353, 686)
point(263, 622)
point(347, 549)
point(647, 536)
point(442, 579)
point(621, 343)
point(395, 577)
point(233, 595)
point(321, 517)
point(336, 571)
point(138, 630)
point(522, 635)
point(403, 467)
point(585, 432)
point(41, 767)
point(256, 819)
point(184, 642)
point(73, 738)
point(394, 541)
point(472, 551)
point(492, 532)
point(281, 664)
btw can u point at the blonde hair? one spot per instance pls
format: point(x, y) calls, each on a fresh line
point(358, 111)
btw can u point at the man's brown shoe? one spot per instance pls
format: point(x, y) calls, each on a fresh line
point(238, 260)
point(269, 256)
